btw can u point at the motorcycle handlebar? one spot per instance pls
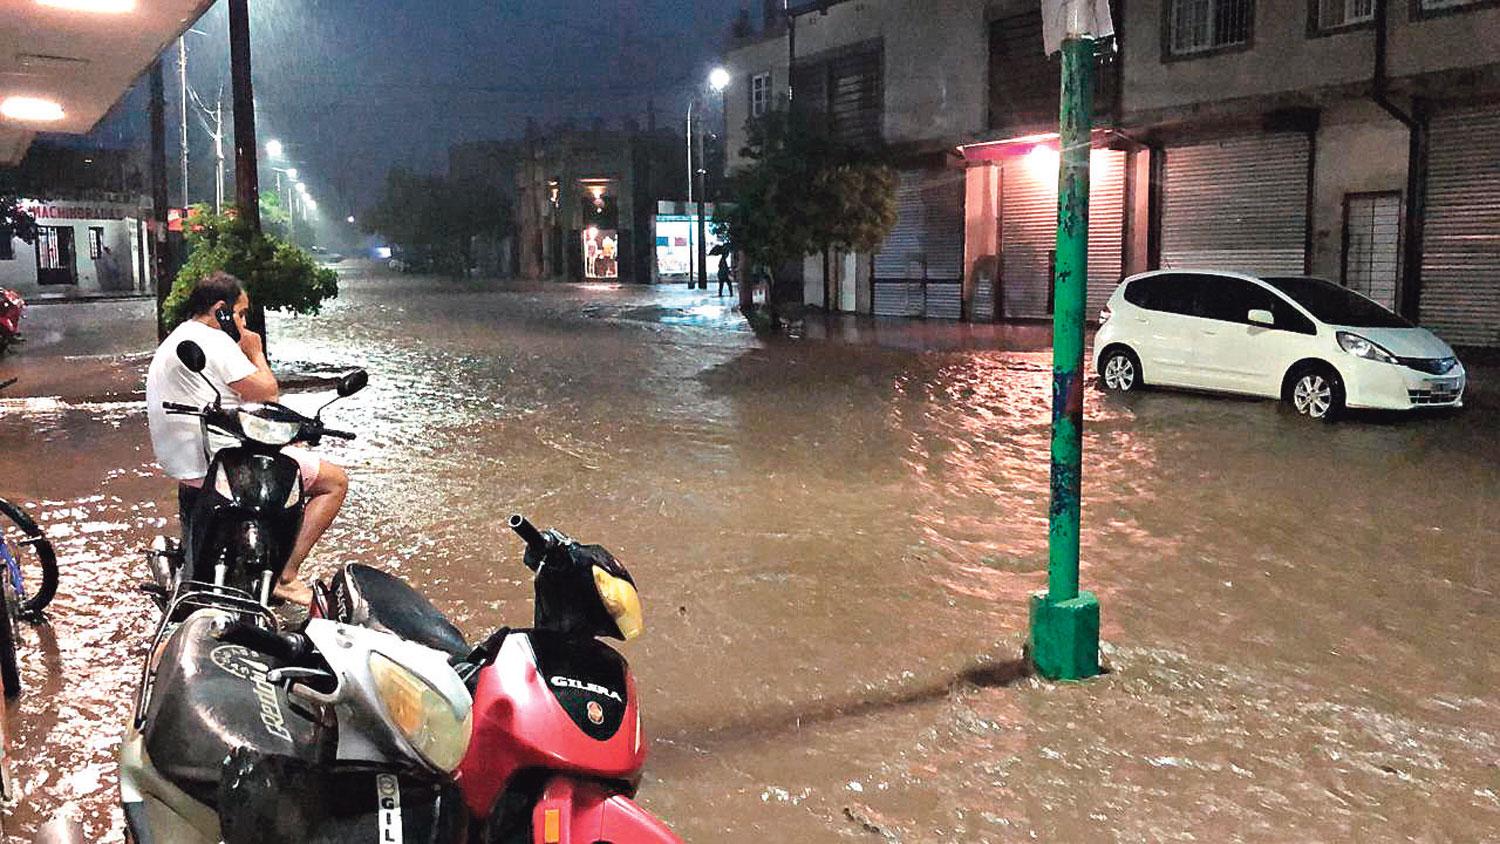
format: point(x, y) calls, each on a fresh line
point(288, 647)
point(341, 435)
point(529, 534)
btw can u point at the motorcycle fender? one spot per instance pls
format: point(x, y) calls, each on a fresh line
point(576, 812)
point(155, 809)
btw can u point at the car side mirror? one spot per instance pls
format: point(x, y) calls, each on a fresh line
point(1260, 316)
point(353, 383)
point(191, 355)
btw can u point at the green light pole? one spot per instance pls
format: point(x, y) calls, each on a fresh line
point(1064, 621)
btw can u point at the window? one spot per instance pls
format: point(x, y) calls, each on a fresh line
point(760, 94)
point(1202, 26)
point(844, 87)
point(1335, 305)
point(7, 246)
point(1337, 14)
point(1215, 297)
point(96, 242)
point(1174, 293)
point(1445, 5)
point(54, 255)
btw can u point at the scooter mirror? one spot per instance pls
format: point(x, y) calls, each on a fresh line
point(353, 383)
point(191, 355)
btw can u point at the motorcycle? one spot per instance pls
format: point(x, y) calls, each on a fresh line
point(12, 308)
point(557, 751)
point(244, 733)
point(239, 529)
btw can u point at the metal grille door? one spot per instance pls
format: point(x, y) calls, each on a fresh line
point(1372, 245)
point(1028, 231)
point(1461, 234)
point(1237, 205)
point(919, 268)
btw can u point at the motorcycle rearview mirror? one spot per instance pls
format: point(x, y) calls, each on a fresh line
point(192, 357)
point(346, 387)
point(353, 383)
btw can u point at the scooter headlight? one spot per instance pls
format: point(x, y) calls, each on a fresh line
point(268, 431)
point(437, 729)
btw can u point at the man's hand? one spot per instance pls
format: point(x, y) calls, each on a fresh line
point(252, 345)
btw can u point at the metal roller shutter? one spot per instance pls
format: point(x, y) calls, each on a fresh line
point(919, 268)
point(1237, 205)
point(1028, 234)
point(1461, 234)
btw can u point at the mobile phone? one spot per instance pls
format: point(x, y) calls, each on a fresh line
point(226, 321)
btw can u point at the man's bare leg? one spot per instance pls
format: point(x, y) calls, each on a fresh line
point(325, 498)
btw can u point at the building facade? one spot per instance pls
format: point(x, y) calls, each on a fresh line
point(1352, 139)
point(586, 202)
point(84, 248)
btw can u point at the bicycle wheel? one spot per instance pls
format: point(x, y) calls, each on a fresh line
point(30, 560)
point(10, 671)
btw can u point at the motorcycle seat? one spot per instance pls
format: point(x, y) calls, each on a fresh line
point(210, 698)
point(379, 600)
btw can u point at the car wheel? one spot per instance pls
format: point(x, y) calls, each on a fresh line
point(1317, 393)
point(1120, 371)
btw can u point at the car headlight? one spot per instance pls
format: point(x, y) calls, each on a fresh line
point(1362, 348)
point(268, 431)
point(427, 719)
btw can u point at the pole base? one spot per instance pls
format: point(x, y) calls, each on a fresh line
point(1064, 639)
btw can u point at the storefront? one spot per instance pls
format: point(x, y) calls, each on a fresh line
point(919, 268)
point(676, 229)
point(1460, 290)
point(1019, 222)
point(82, 249)
point(1238, 204)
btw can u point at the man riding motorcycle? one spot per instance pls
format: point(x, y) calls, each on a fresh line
point(238, 370)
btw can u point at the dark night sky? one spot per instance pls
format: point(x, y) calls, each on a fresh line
point(354, 86)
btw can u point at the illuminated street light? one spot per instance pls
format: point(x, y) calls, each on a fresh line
point(302, 188)
point(32, 110)
point(108, 7)
point(274, 148)
point(350, 221)
point(291, 173)
point(719, 79)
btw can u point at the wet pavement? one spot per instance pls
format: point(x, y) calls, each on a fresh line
point(834, 542)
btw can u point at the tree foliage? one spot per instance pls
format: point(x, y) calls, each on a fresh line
point(14, 222)
point(434, 219)
point(277, 275)
point(804, 192)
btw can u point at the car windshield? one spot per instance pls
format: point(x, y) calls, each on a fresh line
point(1336, 305)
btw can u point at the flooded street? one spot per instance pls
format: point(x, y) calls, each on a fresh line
point(834, 542)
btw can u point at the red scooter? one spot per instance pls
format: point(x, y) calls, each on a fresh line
point(12, 307)
point(557, 748)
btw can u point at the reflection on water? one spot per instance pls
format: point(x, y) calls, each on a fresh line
point(834, 542)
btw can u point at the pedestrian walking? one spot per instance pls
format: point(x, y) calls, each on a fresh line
point(726, 274)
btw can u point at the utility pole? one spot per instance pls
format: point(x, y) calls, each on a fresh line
point(692, 181)
point(702, 174)
point(246, 148)
point(160, 261)
point(1064, 621)
point(182, 90)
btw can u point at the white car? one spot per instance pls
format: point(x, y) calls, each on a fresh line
point(1312, 343)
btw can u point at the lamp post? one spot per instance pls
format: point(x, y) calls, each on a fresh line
point(718, 82)
point(1064, 620)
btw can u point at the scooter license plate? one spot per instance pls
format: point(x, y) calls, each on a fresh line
point(388, 797)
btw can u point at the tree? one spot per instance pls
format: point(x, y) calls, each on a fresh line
point(433, 220)
point(274, 218)
point(803, 193)
point(277, 275)
point(14, 222)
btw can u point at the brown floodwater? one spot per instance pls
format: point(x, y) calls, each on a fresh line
point(834, 541)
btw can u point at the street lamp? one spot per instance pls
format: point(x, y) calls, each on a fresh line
point(350, 220)
point(302, 188)
point(291, 173)
point(718, 81)
point(274, 148)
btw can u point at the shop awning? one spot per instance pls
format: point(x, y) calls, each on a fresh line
point(82, 55)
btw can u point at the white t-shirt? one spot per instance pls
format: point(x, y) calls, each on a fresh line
point(178, 440)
